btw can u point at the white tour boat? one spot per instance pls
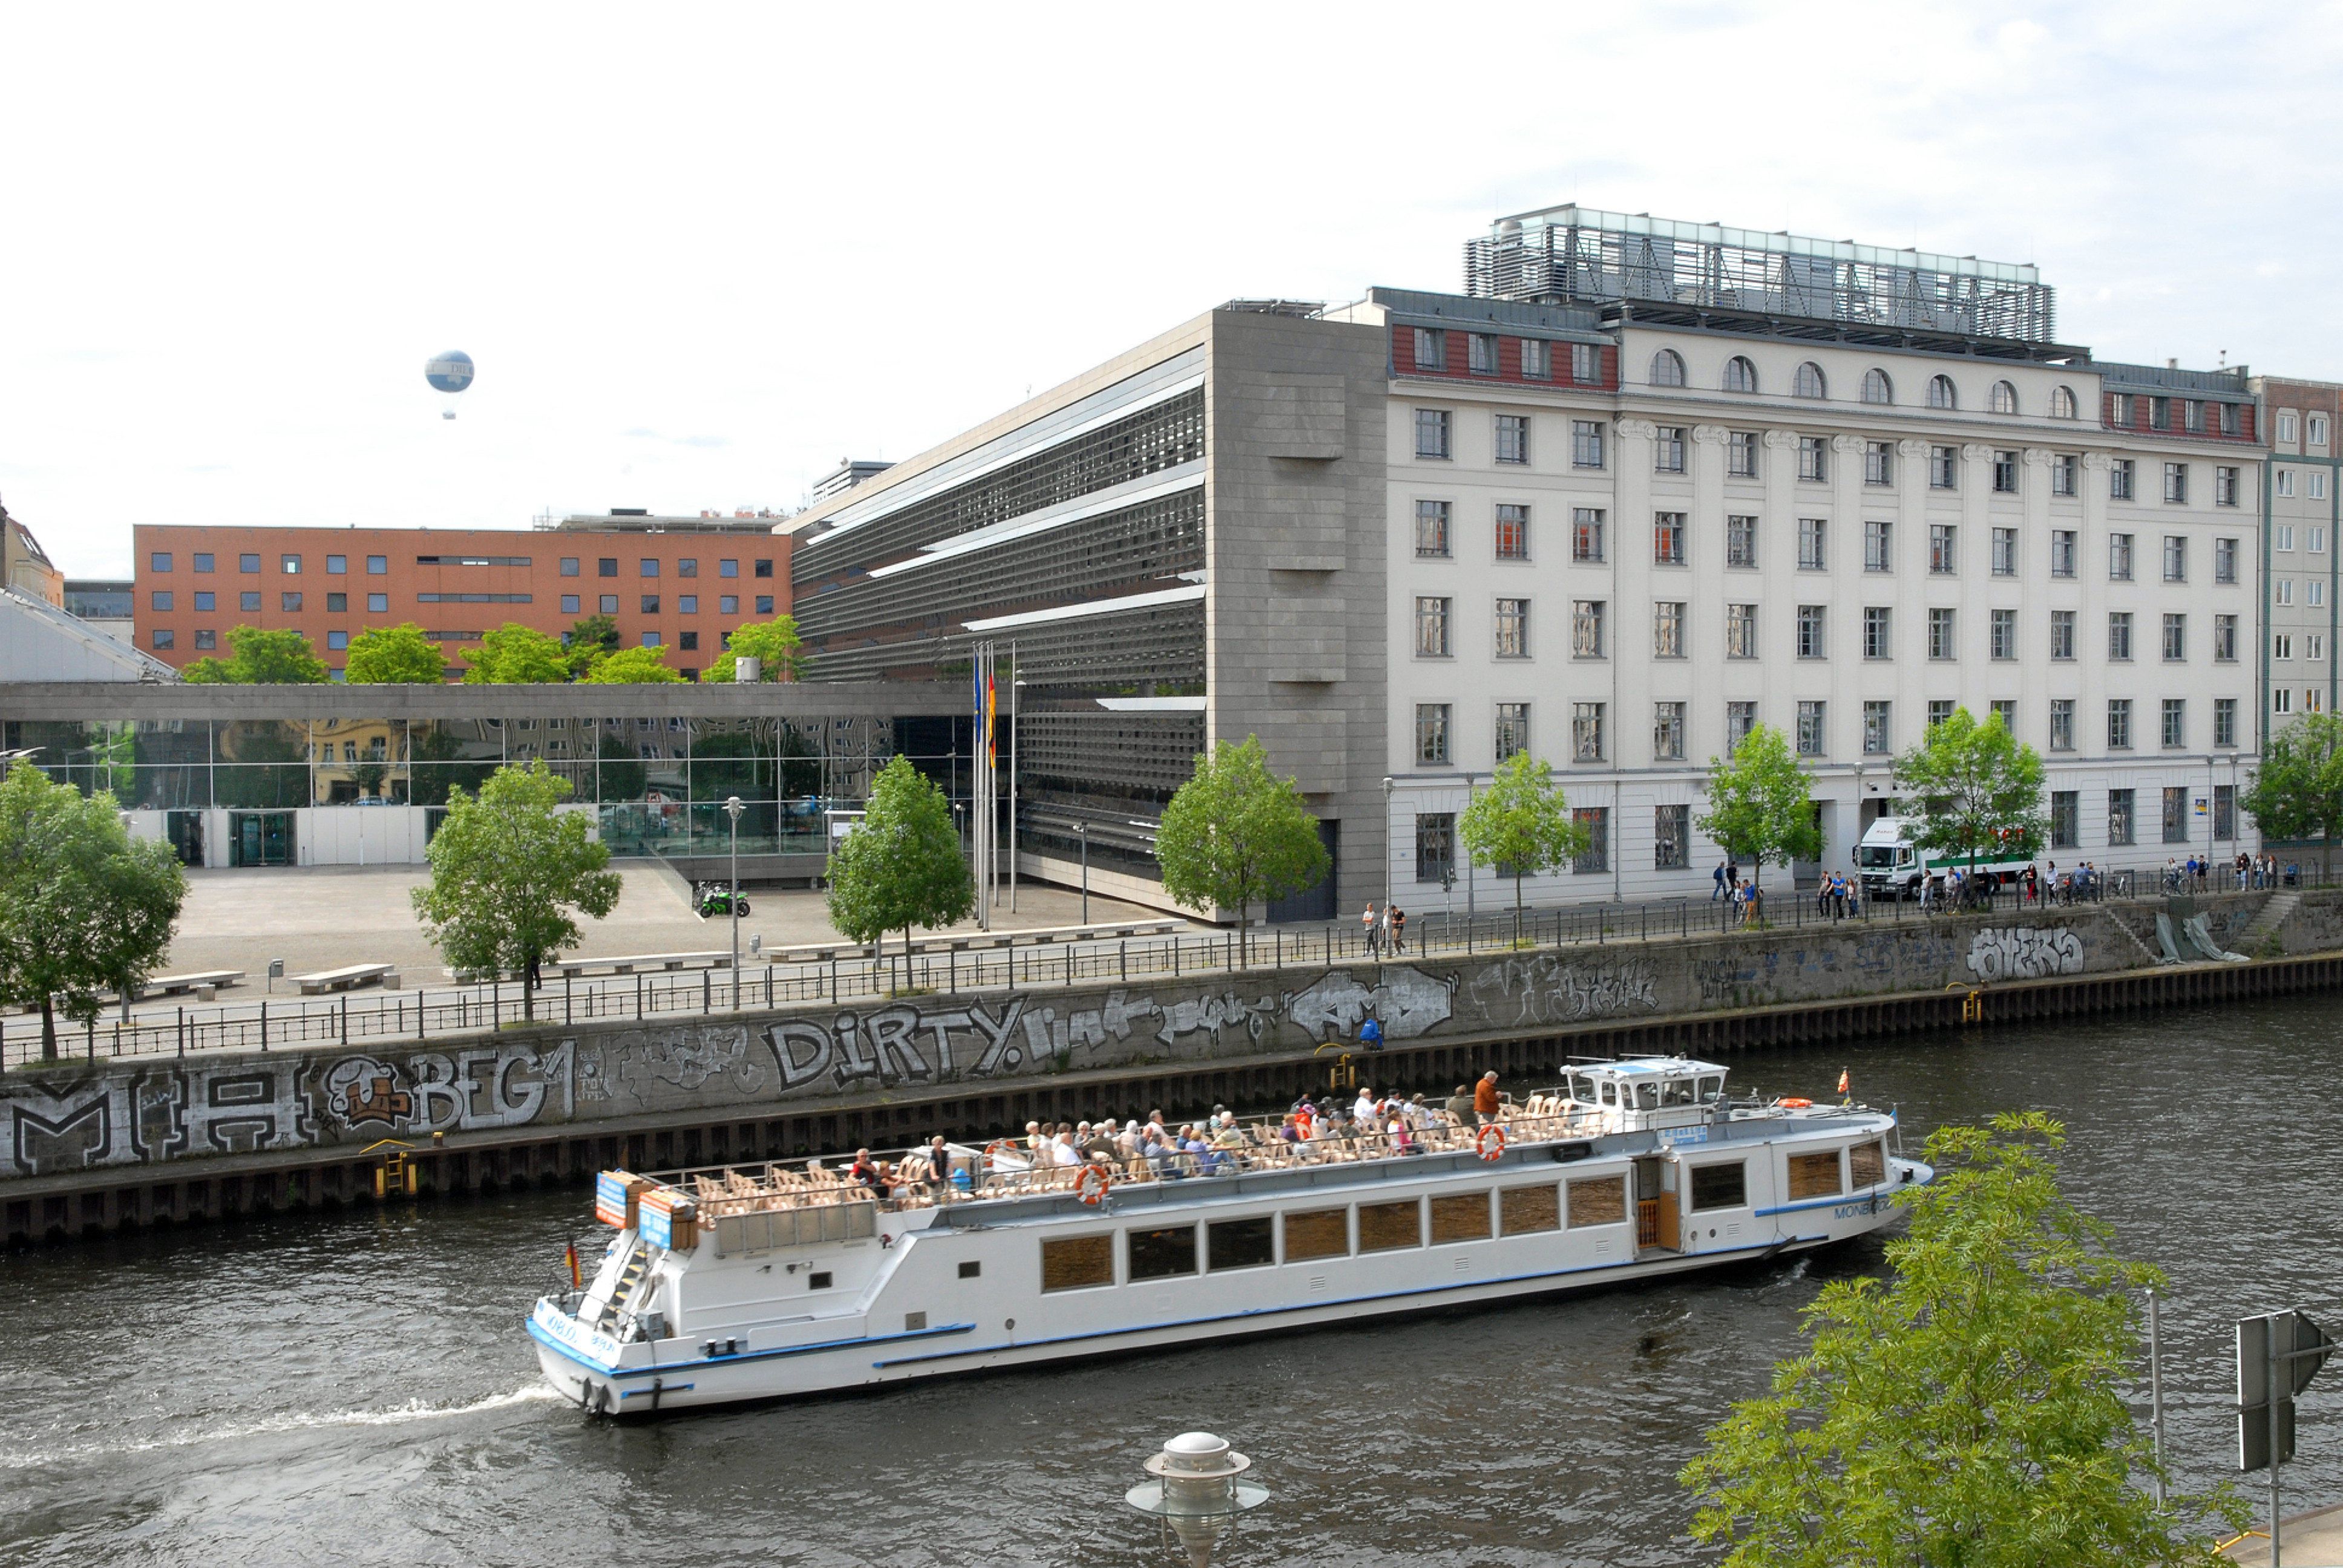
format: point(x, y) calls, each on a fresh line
point(775, 1281)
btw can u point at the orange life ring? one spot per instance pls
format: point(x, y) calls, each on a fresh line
point(1489, 1141)
point(1796, 1104)
point(997, 1148)
point(1091, 1185)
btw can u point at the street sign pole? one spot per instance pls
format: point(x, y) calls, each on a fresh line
point(2156, 1397)
point(2270, 1345)
point(2277, 1355)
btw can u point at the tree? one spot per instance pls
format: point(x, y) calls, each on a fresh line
point(395, 656)
point(1523, 824)
point(507, 871)
point(1972, 1413)
point(629, 667)
point(1977, 790)
point(1236, 834)
point(774, 643)
point(625, 775)
point(1759, 805)
point(589, 640)
point(84, 908)
point(259, 656)
point(2296, 793)
point(518, 655)
point(901, 866)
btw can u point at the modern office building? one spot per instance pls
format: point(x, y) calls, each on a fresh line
point(1642, 486)
point(678, 584)
point(2304, 493)
point(105, 603)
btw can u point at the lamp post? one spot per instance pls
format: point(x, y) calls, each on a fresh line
point(1082, 838)
point(732, 808)
point(1389, 848)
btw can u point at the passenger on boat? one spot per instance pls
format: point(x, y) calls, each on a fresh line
point(1485, 1098)
point(940, 1165)
point(1100, 1144)
point(1460, 1104)
point(1363, 1112)
point(865, 1171)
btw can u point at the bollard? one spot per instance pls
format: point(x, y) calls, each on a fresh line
point(569, 979)
point(638, 996)
point(182, 1033)
point(1123, 955)
point(707, 993)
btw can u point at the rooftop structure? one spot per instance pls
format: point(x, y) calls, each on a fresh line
point(641, 520)
point(850, 472)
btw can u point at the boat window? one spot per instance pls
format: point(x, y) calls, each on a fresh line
point(1459, 1217)
point(1598, 1200)
point(1239, 1243)
point(1161, 1254)
point(1317, 1233)
point(1676, 1091)
point(1711, 1089)
point(1521, 1210)
point(1722, 1186)
point(1388, 1227)
point(1815, 1176)
point(1610, 1092)
point(1647, 1096)
point(1869, 1163)
point(1078, 1262)
point(1581, 1090)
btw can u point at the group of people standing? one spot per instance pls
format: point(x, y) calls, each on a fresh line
point(1385, 931)
point(1747, 901)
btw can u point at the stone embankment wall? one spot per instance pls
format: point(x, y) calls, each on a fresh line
point(133, 1114)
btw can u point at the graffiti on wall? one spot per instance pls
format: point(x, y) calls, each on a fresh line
point(2025, 952)
point(1546, 988)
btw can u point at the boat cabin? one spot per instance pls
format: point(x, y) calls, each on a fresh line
point(1642, 1094)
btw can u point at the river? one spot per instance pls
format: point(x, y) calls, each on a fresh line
point(358, 1389)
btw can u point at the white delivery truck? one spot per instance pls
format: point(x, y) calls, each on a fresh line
point(1892, 866)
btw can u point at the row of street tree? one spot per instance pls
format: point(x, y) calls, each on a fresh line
point(512, 654)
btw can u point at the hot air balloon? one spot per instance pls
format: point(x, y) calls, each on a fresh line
point(450, 372)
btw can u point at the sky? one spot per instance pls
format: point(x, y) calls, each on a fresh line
point(702, 253)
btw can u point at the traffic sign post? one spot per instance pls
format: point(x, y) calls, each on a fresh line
point(2277, 1355)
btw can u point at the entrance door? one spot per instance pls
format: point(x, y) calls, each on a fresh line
point(1316, 902)
point(186, 831)
point(1656, 1205)
point(260, 839)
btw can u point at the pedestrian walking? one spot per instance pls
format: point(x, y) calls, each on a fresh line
point(1718, 877)
point(1398, 929)
point(1371, 928)
point(1485, 1099)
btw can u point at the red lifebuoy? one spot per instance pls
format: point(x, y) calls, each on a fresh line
point(1091, 1185)
point(1796, 1104)
point(1491, 1141)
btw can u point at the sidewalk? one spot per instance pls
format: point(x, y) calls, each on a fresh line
point(2312, 1540)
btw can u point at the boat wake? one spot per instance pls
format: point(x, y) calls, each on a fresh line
point(414, 1410)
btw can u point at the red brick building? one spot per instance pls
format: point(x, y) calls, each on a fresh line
point(678, 584)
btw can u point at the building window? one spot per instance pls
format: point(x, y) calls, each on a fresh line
point(1432, 432)
point(1941, 640)
point(764, 567)
point(1740, 541)
point(2317, 543)
point(2225, 487)
point(1740, 376)
point(377, 604)
point(1878, 463)
point(1668, 449)
point(764, 604)
point(206, 601)
point(1435, 846)
point(728, 604)
point(1670, 838)
point(1667, 732)
point(606, 566)
point(2062, 634)
point(1667, 368)
point(687, 567)
point(1809, 382)
point(2119, 558)
point(1513, 438)
point(2285, 590)
point(1667, 628)
point(1586, 731)
point(1430, 348)
point(2281, 645)
point(159, 561)
point(2004, 473)
point(2160, 412)
point(2119, 635)
point(1814, 458)
point(247, 563)
point(1512, 731)
point(2003, 634)
point(727, 568)
point(1741, 631)
point(2175, 559)
point(2225, 810)
point(2066, 819)
point(1944, 548)
point(1878, 628)
point(1431, 628)
point(2176, 638)
point(337, 641)
point(650, 639)
point(2063, 552)
point(2225, 724)
point(1810, 631)
point(2005, 552)
point(1586, 364)
point(2232, 418)
point(2314, 645)
point(2006, 711)
point(164, 637)
point(1943, 468)
point(1587, 628)
point(2225, 638)
point(1586, 443)
point(203, 561)
point(337, 604)
point(1481, 352)
point(2175, 729)
point(2176, 484)
point(1741, 455)
point(158, 600)
point(569, 565)
point(1878, 546)
point(1537, 359)
point(288, 566)
point(1511, 541)
point(1941, 394)
point(2119, 479)
point(2062, 473)
point(1811, 717)
point(248, 601)
point(2004, 400)
point(2062, 724)
point(1877, 387)
point(1586, 534)
point(2192, 416)
point(1878, 728)
point(2119, 724)
point(1512, 628)
point(2176, 814)
point(2286, 483)
point(1813, 537)
point(2282, 700)
point(1740, 719)
point(377, 566)
point(2063, 404)
point(609, 604)
point(570, 605)
point(1431, 528)
point(650, 603)
point(1431, 732)
point(207, 639)
point(686, 604)
point(1939, 709)
point(289, 602)
point(1596, 820)
point(1668, 538)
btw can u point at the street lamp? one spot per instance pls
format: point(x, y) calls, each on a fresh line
point(732, 808)
point(1082, 837)
point(1389, 850)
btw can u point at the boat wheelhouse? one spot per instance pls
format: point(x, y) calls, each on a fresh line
point(781, 1280)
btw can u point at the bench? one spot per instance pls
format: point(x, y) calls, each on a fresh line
point(347, 979)
point(631, 963)
point(201, 984)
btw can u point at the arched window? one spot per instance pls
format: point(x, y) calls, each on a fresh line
point(1740, 376)
point(1941, 394)
point(1667, 368)
point(1809, 382)
point(2004, 397)
point(1876, 387)
point(2062, 403)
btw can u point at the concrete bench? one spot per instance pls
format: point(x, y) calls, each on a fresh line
point(346, 978)
point(631, 963)
point(200, 985)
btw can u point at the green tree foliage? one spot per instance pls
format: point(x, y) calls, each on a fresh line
point(629, 667)
point(1976, 790)
point(775, 642)
point(1522, 823)
point(273, 766)
point(507, 869)
point(2296, 793)
point(518, 655)
point(625, 775)
point(84, 908)
point(1235, 834)
point(901, 866)
point(1759, 803)
point(1972, 1412)
point(589, 640)
point(259, 656)
point(395, 656)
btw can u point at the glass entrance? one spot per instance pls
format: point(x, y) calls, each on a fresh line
point(186, 831)
point(260, 838)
